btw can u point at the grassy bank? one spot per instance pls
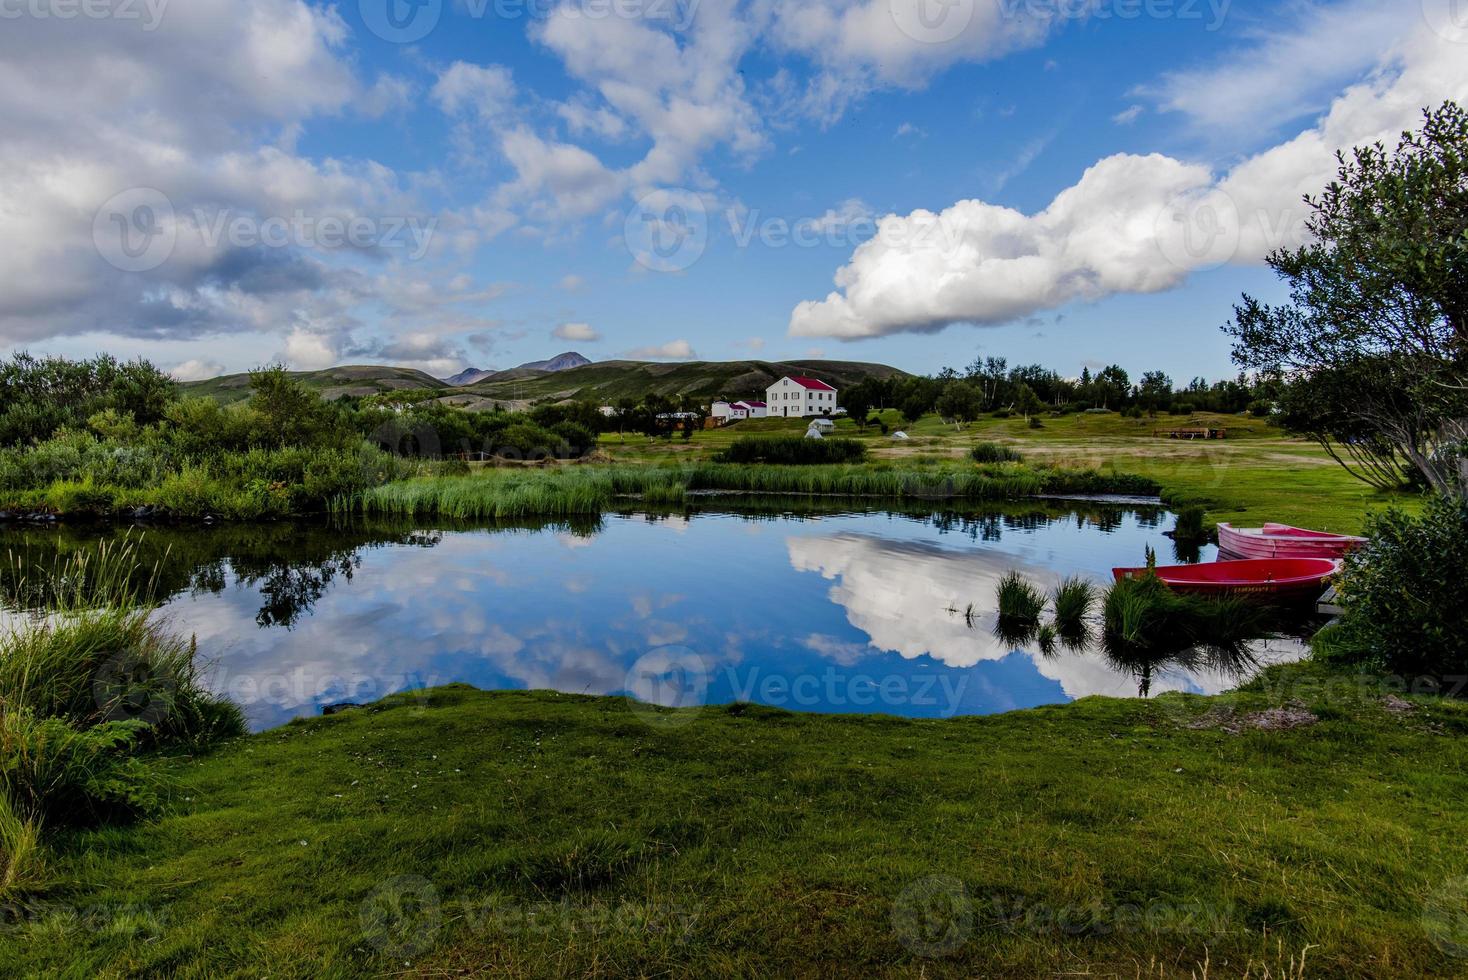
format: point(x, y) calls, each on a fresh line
point(1257, 474)
point(534, 834)
point(564, 491)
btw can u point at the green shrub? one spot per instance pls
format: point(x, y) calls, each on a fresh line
point(793, 451)
point(1189, 525)
point(1019, 601)
point(105, 665)
point(993, 452)
point(1403, 593)
point(55, 773)
point(22, 861)
point(1073, 600)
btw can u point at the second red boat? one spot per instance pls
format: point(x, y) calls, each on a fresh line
point(1282, 578)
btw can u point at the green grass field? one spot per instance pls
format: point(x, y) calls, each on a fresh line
point(1257, 474)
point(458, 832)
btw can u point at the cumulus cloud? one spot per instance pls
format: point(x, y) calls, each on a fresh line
point(118, 138)
point(1131, 224)
point(196, 369)
point(673, 350)
point(485, 90)
point(575, 331)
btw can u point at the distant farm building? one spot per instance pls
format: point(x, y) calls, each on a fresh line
point(798, 397)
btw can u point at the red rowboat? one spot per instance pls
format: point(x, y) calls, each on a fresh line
point(1284, 541)
point(1282, 578)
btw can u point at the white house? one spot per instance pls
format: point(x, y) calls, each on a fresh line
point(726, 412)
point(797, 397)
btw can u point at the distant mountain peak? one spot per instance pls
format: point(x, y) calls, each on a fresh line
point(561, 362)
point(467, 377)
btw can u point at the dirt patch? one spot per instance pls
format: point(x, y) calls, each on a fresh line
point(1397, 706)
point(1291, 716)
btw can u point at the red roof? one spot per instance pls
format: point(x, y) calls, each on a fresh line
point(754, 404)
point(812, 383)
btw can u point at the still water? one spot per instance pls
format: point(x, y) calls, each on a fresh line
point(853, 611)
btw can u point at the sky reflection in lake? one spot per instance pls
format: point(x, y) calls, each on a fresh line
point(850, 612)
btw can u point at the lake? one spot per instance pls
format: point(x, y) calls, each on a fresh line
point(857, 610)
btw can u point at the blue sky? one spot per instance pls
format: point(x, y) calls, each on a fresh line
point(1073, 182)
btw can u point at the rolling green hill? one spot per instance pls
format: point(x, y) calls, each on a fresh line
point(603, 381)
point(353, 379)
point(607, 381)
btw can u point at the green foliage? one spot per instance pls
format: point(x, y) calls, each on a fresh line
point(793, 450)
point(1020, 602)
point(53, 772)
point(1072, 601)
point(1372, 337)
point(40, 396)
point(1403, 593)
point(22, 858)
point(993, 452)
point(1189, 525)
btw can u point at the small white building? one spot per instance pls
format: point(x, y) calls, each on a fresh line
point(798, 397)
point(726, 412)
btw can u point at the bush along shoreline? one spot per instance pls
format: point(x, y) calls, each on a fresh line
point(94, 689)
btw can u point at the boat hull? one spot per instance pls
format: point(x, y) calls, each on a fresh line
point(1283, 541)
point(1266, 578)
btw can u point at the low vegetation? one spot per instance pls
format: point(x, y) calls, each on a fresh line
point(793, 450)
point(542, 834)
point(1403, 594)
point(90, 688)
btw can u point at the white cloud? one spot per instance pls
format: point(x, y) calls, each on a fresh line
point(576, 182)
point(571, 282)
point(575, 331)
point(1131, 224)
point(1127, 116)
point(306, 350)
point(673, 350)
point(1292, 70)
point(196, 370)
point(485, 90)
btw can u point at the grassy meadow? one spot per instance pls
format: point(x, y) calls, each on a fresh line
point(1257, 474)
point(457, 832)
